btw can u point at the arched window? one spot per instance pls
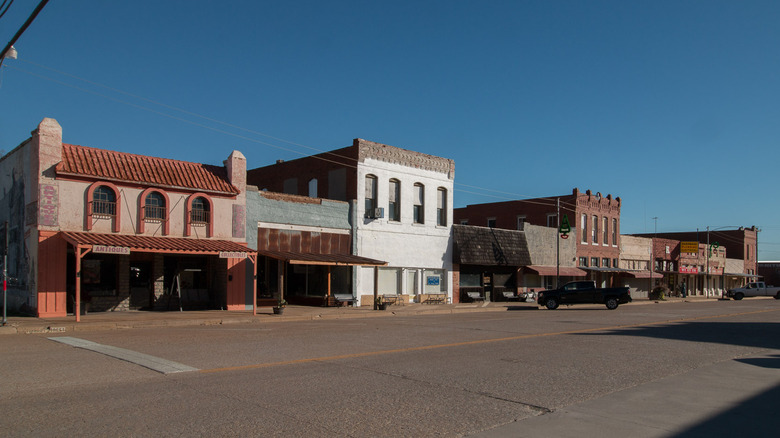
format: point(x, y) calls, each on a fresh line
point(370, 198)
point(394, 203)
point(419, 203)
point(154, 207)
point(103, 202)
point(441, 207)
point(199, 214)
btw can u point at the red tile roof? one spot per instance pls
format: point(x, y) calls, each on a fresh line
point(156, 244)
point(123, 167)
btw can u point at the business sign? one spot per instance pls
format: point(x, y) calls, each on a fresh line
point(689, 269)
point(232, 255)
point(689, 247)
point(432, 281)
point(104, 249)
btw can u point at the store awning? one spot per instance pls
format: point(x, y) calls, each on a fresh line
point(124, 244)
point(552, 271)
point(729, 274)
point(645, 274)
point(299, 258)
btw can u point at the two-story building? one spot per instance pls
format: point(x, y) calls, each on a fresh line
point(402, 212)
point(596, 217)
point(121, 231)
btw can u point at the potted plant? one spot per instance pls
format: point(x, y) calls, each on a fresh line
point(379, 304)
point(280, 305)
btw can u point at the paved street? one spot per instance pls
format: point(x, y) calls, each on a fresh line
point(669, 369)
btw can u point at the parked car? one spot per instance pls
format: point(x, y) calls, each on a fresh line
point(755, 289)
point(584, 292)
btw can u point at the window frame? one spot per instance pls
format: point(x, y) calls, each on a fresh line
point(370, 202)
point(418, 216)
point(394, 207)
point(441, 207)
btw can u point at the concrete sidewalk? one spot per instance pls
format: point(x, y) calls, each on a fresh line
point(146, 319)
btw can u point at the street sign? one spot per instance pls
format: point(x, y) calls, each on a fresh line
point(565, 227)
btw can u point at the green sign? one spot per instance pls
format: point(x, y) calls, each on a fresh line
point(565, 227)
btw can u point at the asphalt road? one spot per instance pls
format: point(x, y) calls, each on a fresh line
point(679, 369)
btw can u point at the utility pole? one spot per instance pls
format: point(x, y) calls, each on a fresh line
point(5, 275)
point(558, 244)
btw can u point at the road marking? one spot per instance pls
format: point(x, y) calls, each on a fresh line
point(476, 342)
point(160, 365)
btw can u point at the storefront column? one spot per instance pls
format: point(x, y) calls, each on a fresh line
point(81, 251)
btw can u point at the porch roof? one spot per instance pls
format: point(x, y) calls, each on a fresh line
point(178, 245)
point(300, 258)
point(566, 271)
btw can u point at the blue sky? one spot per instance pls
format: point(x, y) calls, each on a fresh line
point(674, 106)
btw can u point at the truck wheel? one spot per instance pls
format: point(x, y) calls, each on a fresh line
point(611, 303)
point(777, 297)
point(738, 296)
point(551, 303)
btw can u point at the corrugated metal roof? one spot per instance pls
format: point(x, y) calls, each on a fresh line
point(489, 246)
point(156, 244)
point(301, 258)
point(124, 167)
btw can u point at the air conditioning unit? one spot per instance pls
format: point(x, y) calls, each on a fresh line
point(376, 213)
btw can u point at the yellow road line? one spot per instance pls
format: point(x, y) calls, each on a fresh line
point(475, 342)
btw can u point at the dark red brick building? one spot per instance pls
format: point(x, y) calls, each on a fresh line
point(594, 220)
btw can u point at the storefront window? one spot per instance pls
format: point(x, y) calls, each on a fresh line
point(434, 281)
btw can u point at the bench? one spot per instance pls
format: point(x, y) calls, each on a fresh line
point(509, 295)
point(475, 296)
point(391, 299)
point(344, 299)
point(435, 299)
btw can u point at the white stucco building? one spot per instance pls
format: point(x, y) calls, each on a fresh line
point(401, 212)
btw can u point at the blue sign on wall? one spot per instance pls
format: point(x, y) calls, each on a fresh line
point(432, 281)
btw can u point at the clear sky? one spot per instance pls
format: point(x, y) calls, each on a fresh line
point(674, 106)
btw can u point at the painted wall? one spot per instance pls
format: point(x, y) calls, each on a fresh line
point(542, 246)
point(14, 196)
point(73, 198)
point(403, 244)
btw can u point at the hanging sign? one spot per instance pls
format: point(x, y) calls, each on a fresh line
point(565, 227)
point(232, 255)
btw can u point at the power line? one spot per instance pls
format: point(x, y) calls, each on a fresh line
point(22, 29)
point(230, 125)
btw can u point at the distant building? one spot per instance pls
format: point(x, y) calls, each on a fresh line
point(770, 272)
point(401, 212)
point(595, 217)
point(723, 259)
point(117, 231)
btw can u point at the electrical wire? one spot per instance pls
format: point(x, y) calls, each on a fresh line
point(510, 197)
point(6, 9)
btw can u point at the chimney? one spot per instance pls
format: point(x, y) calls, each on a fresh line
point(48, 139)
point(236, 170)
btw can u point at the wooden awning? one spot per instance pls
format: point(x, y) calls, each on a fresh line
point(300, 258)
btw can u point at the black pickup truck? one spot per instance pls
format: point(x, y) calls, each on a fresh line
point(584, 292)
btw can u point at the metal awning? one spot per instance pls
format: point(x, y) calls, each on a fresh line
point(729, 274)
point(169, 245)
point(565, 271)
point(124, 244)
point(300, 258)
point(645, 274)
